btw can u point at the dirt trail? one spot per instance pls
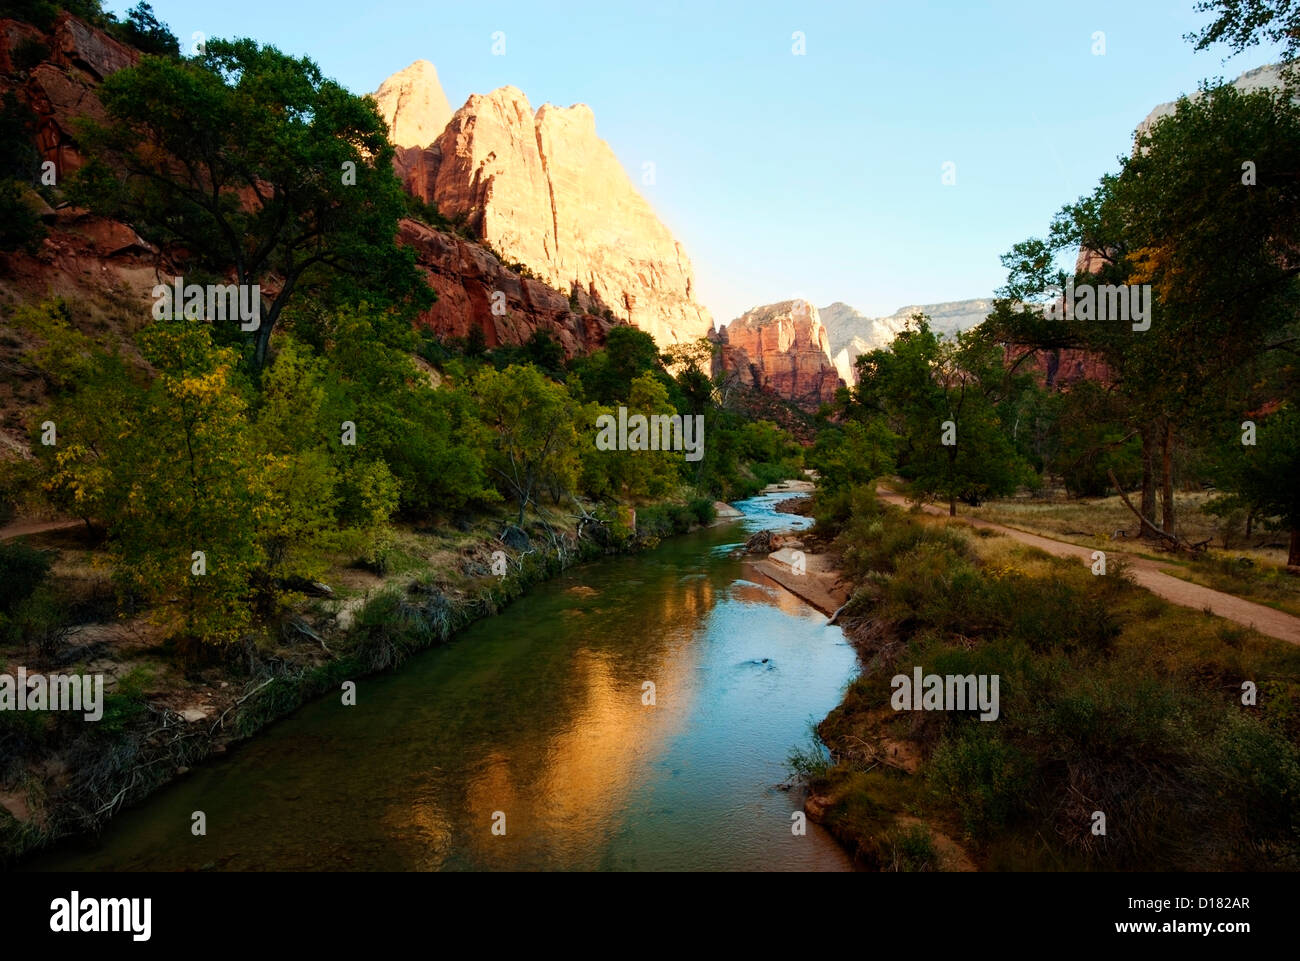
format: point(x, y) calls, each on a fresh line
point(19, 528)
point(1149, 574)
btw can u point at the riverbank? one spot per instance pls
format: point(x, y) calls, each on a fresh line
point(162, 716)
point(542, 713)
point(1176, 725)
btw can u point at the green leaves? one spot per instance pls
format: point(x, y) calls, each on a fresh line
point(257, 166)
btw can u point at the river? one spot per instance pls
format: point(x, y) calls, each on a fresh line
point(533, 721)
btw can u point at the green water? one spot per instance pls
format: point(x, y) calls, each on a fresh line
point(538, 713)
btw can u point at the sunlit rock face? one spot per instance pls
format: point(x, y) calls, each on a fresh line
point(545, 191)
point(413, 105)
point(782, 348)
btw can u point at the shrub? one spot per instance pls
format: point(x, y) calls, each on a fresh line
point(985, 778)
point(22, 569)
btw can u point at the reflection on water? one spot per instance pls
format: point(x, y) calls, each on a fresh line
point(538, 715)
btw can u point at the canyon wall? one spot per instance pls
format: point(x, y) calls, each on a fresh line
point(782, 348)
point(543, 190)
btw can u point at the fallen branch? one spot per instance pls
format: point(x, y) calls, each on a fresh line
point(1142, 520)
point(221, 720)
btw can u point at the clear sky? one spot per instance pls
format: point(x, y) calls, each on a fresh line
point(815, 176)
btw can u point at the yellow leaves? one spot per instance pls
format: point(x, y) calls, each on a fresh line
point(1155, 266)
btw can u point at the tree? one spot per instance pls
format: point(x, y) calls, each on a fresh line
point(431, 440)
point(939, 397)
point(1205, 212)
point(607, 374)
point(1244, 23)
point(535, 438)
point(260, 167)
point(1263, 476)
point(182, 500)
point(147, 33)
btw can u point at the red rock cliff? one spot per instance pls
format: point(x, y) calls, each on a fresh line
point(782, 348)
point(544, 190)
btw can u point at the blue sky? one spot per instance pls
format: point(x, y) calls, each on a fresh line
point(815, 176)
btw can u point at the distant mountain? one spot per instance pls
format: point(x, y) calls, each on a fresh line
point(852, 333)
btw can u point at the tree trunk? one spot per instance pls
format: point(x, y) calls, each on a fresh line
point(1293, 557)
point(952, 506)
point(1167, 477)
point(1148, 506)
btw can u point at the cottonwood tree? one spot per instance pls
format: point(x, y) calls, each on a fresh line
point(1219, 244)
point(257, 166)
point(939, 397)
point(534, 440)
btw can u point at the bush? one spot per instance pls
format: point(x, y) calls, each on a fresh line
point(20, 225)
point(983, 777)
point(22, 569)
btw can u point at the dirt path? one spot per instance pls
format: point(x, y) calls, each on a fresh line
point(19, 528)
point(1149, 574)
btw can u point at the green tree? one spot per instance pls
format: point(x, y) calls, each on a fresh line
point(1205, 211)
point(144, 31)
point(940, 398)
point(260, 167)
point(1263, 476)
point(534, 432)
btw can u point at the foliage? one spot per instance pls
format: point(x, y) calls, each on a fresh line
point(259, 166)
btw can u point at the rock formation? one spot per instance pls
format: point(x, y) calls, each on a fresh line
point(852, 333)
point(413, 105)
point(469, 280)
point(546, 192)
point(782, 348)
point(1268, 76)
point(61, 87)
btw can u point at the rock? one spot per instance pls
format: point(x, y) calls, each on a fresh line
point(782, 348)
point(101, 237)
point(545, 191)
point(852, 333)
point(62, 87)
point(514, 538)
point(469, 279)
point(413, 105)
point(725, 511)
point(759, 542)
point(83, 47)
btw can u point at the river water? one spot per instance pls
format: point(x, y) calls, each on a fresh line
point(534, 721)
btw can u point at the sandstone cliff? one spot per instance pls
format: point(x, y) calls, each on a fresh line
point(469, 280)
point(782, 348)
point(545, 191)
point(61, 87)
point(413, 105)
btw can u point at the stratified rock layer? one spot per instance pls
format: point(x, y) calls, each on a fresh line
point(782, 348)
